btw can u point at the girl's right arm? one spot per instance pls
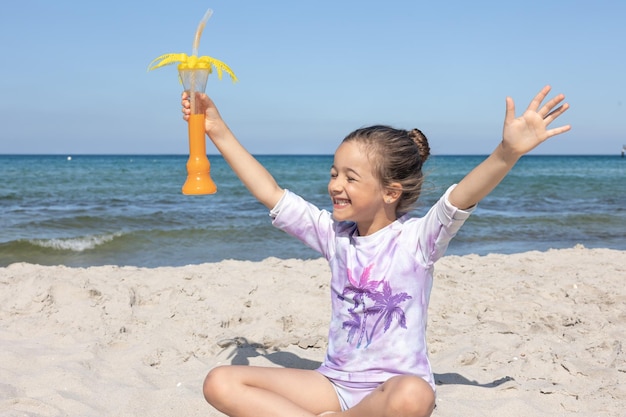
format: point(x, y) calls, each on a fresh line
point(253, 175)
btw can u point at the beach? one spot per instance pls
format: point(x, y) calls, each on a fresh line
point(527, 334)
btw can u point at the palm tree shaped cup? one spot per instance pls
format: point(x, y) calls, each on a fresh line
point(193, 72)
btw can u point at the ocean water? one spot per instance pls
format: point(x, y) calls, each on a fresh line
point(129, 210)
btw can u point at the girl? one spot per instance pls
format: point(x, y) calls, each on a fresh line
point(381, 261)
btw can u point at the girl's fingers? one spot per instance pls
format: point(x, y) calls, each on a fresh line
point(510, 110)
point(550, 117)
point(185, 102)
point(536, 102)
point(547, 108)
point(557, 131)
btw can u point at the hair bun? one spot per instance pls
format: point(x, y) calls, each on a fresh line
point(422, 143)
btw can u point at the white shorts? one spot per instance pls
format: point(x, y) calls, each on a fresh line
point(351, 393)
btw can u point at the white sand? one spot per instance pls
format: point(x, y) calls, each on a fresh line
point(531, 334)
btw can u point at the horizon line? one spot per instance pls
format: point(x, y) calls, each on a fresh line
point(284, 154)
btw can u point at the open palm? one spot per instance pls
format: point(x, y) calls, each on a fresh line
point(522, 134)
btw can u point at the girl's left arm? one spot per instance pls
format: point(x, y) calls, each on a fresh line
point(520, 136)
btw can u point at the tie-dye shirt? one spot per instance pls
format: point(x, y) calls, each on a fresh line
point(380, 286)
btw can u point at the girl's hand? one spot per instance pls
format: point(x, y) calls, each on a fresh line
point(521, 135)
point(214, 124)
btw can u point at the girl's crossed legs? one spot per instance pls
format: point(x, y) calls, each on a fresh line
point(245, 391)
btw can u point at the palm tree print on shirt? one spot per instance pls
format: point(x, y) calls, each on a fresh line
point(372, 301)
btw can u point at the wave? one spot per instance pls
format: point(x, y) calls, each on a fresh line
point(75, 244)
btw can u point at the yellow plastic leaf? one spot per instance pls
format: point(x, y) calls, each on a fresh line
point(220, 66)
point(193, 62)
point(167, 59)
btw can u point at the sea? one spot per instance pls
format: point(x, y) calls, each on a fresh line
point(128, 210)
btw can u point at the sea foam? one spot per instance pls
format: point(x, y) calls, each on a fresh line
point(77, 244)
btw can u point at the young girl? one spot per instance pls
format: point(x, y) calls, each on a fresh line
point(381, 262)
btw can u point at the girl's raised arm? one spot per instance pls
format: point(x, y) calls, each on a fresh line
point(520, 135)
point(254, 176)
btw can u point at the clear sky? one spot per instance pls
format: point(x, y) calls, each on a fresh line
point(73, 74)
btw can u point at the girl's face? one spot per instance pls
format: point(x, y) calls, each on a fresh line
point(356, 193)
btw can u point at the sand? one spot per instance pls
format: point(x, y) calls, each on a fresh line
point(530, 334)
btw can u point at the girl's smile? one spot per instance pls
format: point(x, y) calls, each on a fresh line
point(340, 202)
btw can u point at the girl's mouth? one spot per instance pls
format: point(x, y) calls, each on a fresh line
point(340, 202)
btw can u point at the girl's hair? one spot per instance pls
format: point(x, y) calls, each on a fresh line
point(397, 156)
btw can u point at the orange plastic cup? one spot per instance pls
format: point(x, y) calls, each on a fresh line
point(198, 166)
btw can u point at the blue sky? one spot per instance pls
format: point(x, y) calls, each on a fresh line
point(73, 73)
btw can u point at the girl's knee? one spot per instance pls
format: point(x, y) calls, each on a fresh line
point(411, 396)
point(216, 385)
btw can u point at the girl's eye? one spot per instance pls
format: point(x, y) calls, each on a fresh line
point(333, 175)
point(350, 179)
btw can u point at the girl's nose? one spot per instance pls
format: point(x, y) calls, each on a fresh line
point(334, 187)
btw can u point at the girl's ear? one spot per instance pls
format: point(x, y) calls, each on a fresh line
point(393, 192)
